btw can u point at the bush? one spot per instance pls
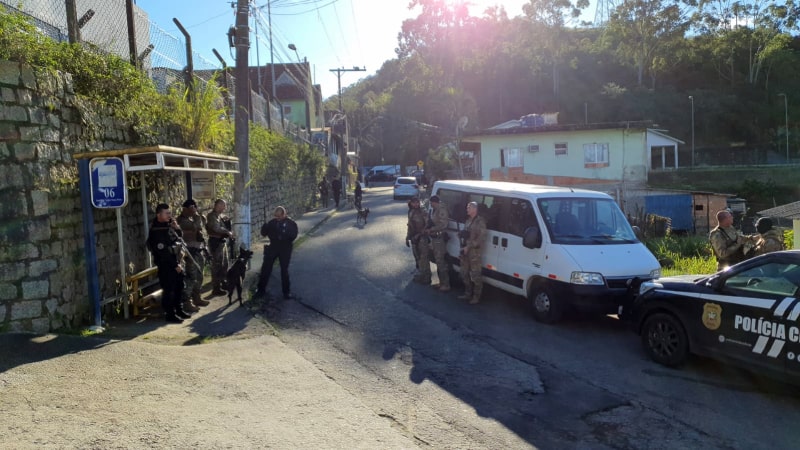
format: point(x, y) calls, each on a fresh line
point(683, 255)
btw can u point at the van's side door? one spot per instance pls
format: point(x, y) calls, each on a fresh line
point(515, 262)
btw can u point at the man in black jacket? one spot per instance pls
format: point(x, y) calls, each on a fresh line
point(281, 231)
point(165, 242)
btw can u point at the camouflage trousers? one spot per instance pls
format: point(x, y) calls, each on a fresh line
point(194, 274)
point(471, 274)
point(439, 249)
point(219, 266)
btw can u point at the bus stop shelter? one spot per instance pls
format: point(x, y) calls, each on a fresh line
point(103, 184)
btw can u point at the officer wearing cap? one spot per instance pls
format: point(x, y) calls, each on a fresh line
point(435, 231)
point(164, 242)
point(193, 226)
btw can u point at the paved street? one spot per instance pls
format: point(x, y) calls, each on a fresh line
point(367, 359)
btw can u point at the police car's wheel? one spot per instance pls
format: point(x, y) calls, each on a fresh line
point(546, 308)
point(665, 340)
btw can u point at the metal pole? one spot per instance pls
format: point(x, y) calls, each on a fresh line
point(786, 119)
point(241, 191)
point(189, 75)
point(73, 31)
point(131, 38)
point(272, 60)
point(692, 100)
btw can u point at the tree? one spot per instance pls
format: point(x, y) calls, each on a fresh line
point(642, 31)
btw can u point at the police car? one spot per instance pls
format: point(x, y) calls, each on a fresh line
point(747, 315)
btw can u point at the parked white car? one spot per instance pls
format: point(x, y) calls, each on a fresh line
point(405, 187)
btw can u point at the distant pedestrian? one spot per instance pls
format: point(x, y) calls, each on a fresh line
point(165, 243)
point(336, 187)
point(281, 231)
point(324, 195)
point(217, 235)
point(769, 239)
point(358, 195)
point(472, 238)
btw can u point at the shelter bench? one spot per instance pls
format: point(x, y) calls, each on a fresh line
point(140, 282)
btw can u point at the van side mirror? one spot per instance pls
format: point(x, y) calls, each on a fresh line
point(532, 238)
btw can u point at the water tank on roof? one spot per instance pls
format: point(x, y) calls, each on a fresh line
point(532, 120)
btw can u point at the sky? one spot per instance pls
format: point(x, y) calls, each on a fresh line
point(329, 34)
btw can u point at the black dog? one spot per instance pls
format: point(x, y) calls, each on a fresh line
point(235, 275)
point(362, 216)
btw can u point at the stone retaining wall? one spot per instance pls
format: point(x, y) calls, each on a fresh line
point(43, 124)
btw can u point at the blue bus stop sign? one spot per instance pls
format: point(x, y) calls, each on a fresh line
point(109, 189)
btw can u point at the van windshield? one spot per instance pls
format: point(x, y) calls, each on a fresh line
point(585, 221)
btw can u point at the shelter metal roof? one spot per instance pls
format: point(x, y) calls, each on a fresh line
point(162, 157)
point(787, 211)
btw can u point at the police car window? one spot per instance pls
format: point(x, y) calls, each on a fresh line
point(768, 279)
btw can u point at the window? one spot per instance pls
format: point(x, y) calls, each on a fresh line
point(595, 155)
point(287, 109)
point(533, 148)
point(561, 148)
point(510, 157)
point(521, 216)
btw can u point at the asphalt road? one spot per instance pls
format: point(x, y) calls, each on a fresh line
point(452, 375)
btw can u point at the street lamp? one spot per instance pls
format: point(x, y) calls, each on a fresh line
point(786, 118)
point(292, 47)
point(692, 100)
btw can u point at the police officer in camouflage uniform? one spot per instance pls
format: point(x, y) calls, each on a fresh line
point(473, 238)
point(769, 240)
point(164, 242)
point(217, 234)
point(726, 241)
point(435, 232)
point(193, 226)
point(415, 227)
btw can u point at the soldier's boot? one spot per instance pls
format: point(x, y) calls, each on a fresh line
point(188, 306)
point(466, 295)
point(218, 290)
point(422, 279)
point(476, 296)
point(199, 301)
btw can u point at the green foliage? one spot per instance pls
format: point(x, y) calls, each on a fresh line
point(683, 255)
point(788, 239)
point(105, 79)
point(275, 157)
point(200, 114)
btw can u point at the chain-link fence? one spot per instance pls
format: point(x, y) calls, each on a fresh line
point(104, 24)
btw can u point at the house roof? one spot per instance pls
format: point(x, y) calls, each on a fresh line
point(787, 211)
point(515, 127)
point(664, 135)
point(291, 80)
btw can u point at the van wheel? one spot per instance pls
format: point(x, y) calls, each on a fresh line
point(546, 308)
point(665, 340)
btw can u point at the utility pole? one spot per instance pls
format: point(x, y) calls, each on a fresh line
point(339, 78)
point(343, 155)
point(241, 191)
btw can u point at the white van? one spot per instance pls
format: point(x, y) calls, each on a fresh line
point(558, 247)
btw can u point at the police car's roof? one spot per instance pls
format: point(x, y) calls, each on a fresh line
point(505, 186)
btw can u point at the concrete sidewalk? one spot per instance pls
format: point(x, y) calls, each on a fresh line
point(144, 384)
